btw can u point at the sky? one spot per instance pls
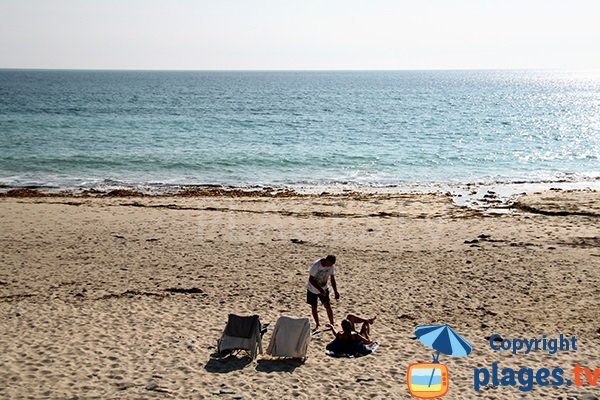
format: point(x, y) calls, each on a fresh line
point(299, 34)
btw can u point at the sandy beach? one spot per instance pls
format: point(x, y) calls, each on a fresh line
point(125, 297)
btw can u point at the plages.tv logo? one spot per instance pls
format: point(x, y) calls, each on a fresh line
point(431, 380)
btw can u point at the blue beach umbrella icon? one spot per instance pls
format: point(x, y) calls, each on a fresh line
point(443, 339)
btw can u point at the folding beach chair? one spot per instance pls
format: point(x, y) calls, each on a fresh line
point(290, 337)
point(242, 334)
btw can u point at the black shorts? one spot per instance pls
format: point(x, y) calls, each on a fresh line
point(311, 298)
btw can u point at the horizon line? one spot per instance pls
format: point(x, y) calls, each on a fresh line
point(300, 69)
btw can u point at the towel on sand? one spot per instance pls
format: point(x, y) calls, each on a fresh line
point(351, 349)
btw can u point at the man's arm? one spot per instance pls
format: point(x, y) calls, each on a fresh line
point(330, 327)
point(334, 286)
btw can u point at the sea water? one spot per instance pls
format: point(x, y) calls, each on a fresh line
point(80, 129)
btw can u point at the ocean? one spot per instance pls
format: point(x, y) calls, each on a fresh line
point(151, 129)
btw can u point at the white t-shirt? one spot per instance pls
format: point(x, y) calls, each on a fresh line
point(321, 275)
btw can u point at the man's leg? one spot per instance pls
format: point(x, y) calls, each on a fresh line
point(312, 299)
point(315, 314)
point(358, 320)
point(365, 330)
point(327, 306)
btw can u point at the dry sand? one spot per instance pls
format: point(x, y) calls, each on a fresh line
point(85, 310)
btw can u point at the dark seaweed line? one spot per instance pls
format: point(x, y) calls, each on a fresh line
point(381, 214)
point(561, 213)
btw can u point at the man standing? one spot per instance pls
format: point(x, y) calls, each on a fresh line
point(317, 288)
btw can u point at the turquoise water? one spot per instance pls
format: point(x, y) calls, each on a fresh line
point(126, 128)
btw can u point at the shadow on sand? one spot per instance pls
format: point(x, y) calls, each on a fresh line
point(283, 365)
point(223, 365)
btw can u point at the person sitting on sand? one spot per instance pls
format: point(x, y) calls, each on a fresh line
point(348, 332)
point(348, 341)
